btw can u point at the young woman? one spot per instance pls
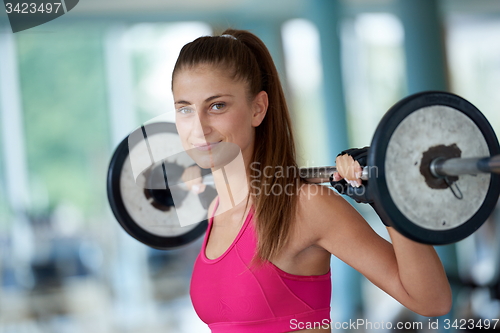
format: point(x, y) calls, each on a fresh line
point(265, 261)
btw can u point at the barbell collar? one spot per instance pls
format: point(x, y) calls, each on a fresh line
point(494, 164)
point(441, 167)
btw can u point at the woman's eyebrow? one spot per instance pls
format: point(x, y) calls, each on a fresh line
point(209, 99)
point(218, 96)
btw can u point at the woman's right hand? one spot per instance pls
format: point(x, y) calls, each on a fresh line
point(193, 180)
point(348, 169)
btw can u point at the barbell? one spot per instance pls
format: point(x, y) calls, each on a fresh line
point(432, 172)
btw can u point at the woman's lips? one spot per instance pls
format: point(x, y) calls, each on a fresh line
point(206, 147)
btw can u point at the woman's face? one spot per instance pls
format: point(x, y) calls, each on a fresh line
point(215, 117)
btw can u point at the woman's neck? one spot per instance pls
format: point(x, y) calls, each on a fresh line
point(232, 184)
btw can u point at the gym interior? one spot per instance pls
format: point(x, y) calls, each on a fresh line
point(73, 88)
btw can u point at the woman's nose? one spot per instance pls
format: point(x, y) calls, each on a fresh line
point(201, 125)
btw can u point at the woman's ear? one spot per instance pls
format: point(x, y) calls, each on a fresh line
point(260, 104)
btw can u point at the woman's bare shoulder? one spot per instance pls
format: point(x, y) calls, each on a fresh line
point(314, 199)
point(321, 210)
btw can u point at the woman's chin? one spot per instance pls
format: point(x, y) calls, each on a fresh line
point(204, 162)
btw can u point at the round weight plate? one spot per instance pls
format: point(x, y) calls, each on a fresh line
point(434, 126)
point(404, 199)
point(131, 203)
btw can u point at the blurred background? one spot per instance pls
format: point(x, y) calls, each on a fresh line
point(73, 88)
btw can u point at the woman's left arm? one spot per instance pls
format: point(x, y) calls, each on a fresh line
point(422, 275)
point(410, 272)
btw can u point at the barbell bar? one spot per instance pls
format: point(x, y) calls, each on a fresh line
point(427, 148)
point(441, 167)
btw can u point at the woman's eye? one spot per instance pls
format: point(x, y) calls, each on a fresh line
point(218, 106)
point(184, 110)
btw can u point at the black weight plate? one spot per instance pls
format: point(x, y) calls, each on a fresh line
point(407, 219)
point(119, 172)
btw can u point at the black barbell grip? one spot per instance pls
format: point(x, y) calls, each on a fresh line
point(360, 155)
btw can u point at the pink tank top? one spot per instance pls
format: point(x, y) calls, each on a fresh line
point(231, 297)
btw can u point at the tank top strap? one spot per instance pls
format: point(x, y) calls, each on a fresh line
point(211, 219)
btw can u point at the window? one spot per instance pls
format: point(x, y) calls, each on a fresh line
point(374, 73)
point(304, 73)
point(473, 55)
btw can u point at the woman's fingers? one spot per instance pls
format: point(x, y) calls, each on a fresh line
point(336, 176)
point(358, 170)
point(349, 169)
point(354, 183)
point(346, 167)
point(192, 178)
point(198, 188)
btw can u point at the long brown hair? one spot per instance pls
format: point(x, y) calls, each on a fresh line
point(274, 173)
